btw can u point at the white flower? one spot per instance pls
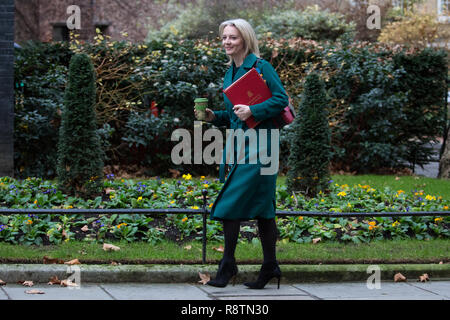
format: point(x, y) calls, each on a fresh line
point(211, 85)
point(205, 58)
point(176, 120)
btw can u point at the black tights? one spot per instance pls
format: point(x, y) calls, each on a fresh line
point(267, 233)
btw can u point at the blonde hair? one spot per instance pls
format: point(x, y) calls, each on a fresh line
point(247, 33)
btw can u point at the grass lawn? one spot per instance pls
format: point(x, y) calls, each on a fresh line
point(398, 251)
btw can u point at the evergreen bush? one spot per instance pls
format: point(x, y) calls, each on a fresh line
point(310, 151)
point(80, 157)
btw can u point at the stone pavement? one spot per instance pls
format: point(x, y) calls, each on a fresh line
point(432, 290)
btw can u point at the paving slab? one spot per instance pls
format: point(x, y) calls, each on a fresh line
point(441, 288)
point(56, 292)
point(156, 291)
point(3, 295)
point(360, 291)
point(270, 292)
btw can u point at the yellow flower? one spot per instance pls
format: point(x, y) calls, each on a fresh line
point(396, 223)
point(349, 205)
point(428, 197)
point(206, 185)
point(400, 191)
point(29, 221)
point(195, 207)
point(111, 196)
point(344, 186)
point(202, 177)
point(300, 218)
point(172, 202)
point(211, 204)
point(184, 219)
point(35, 202)
point(371, 227)
point(445, 208)
point(139, 199)
point(322, 200)
point(438, 219)
point(342, 194)
point(187, 176)
point(372, 223)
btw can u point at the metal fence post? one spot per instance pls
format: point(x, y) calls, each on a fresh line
point(204, 192)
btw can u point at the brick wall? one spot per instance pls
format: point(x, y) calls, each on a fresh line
point(6, 87)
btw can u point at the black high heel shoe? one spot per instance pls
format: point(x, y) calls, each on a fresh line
point(227, 270)
point(268, 271)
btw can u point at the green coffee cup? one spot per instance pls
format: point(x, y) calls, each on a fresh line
point(200, 106)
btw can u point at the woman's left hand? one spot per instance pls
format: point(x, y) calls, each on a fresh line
point(242, 111)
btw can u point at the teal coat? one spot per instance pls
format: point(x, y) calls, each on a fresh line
point(246, 193)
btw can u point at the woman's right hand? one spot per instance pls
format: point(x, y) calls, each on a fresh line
point(209, 114)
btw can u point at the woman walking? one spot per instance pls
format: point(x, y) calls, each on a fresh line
point(247, 194)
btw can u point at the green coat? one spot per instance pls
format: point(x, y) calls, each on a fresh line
point(246, 193)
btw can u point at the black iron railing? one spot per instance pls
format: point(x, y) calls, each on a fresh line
point(205, 212)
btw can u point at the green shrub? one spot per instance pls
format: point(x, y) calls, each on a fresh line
point(310, 150)
point(312, 23)
point(80, 164)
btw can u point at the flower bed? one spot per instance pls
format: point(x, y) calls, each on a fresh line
point(186, 192)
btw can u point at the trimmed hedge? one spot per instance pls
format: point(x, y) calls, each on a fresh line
point(386, 102)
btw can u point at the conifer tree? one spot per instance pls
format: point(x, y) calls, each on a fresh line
point(310, 151)
point(80, 157)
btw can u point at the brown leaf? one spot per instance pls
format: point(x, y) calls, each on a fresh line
point(48, 260)
point(73, 261)
point(68, 283)
point(2, 283)
point(424, 278)
point(175, 173)
point(315, 240)
point(109, 247)
point(85, 228)
point(28, 283)
point(188, 247)
point(219, 249)
point(113, 263)
point(204, 277)
point(34, 291)
point(398, 277)
point(54, 280)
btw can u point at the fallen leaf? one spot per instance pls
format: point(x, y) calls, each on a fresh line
point(85, 228)
point(113, 263)
point(68, 283)
point(73, 261)
point(315, 240)
point(399, 277)
point(2, 283)
point(34, 291)
point(424, 278)
point(54, 280)
point(397, 178)
point(189, 247)
point(109, 247)
point(175, 173)
point(204, 277)
point(109, 190)
point(28, 283)
point(48, 260)
point(219, 249)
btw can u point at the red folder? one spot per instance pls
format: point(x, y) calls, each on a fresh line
point(249, 89)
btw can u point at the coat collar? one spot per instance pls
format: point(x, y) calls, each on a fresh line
point(248, 63)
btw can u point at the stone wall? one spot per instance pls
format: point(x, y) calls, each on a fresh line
point(6, 87)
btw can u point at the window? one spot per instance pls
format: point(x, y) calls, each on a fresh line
point(443, 7)
point(60, 32)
